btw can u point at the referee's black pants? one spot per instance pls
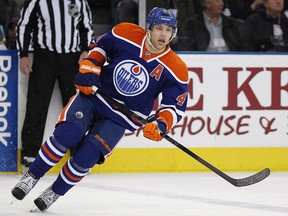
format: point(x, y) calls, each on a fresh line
point(46, 69)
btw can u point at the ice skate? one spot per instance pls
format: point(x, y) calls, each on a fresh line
point(46, 199)
point(24, 186)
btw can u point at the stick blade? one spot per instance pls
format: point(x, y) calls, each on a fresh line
point(252, 179)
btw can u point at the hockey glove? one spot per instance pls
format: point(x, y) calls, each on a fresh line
point(154, 129)
point(87, 76)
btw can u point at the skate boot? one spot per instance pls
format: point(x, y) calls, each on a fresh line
point(46, 199)
point(24, 186)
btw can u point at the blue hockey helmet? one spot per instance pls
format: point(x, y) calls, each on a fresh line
point(161, 16)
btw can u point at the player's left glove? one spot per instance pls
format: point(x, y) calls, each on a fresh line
point(154, 129)
point(88, 76)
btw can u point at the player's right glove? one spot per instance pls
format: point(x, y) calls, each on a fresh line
point(88, 76)
point(154, 129)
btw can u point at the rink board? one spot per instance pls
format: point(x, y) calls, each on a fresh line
point(8, 111)
point(175, 160)
point(133, 160)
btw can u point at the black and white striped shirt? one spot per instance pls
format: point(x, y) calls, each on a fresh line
point(61, 26)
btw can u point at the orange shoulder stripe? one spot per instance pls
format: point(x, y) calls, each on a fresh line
point(130, 31)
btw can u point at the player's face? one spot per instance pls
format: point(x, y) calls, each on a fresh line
point(215, 6)
point(274, 6)
point(160, 36)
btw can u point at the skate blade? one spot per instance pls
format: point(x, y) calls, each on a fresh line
point(13, 200)
point(34, 209)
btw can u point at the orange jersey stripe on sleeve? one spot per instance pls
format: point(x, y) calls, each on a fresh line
point(98, 56)
point(167, 117)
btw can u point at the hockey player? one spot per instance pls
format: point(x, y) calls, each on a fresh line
point(139, 65)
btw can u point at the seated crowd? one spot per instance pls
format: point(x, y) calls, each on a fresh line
point(224, 25)
point(203, 25)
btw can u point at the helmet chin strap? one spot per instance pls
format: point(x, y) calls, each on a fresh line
point(149, 41)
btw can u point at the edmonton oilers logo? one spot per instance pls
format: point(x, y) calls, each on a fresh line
point(130, 78)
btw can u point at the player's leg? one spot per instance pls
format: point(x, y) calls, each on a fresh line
point(67, 134)
point(98, 144)
point(51, 152)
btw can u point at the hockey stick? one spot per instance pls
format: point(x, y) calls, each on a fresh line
point(236, 182)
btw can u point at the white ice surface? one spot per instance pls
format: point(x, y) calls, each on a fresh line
point(168, 194)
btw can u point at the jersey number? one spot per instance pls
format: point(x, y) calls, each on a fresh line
point(181, 99)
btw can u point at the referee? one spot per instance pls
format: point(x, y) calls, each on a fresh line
point(59, 32)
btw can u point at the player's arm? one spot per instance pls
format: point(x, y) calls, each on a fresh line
point(88, 76)
point(90, 69)
point(173, 102)
point(171, 111)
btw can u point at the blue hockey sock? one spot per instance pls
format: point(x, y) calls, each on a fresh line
point(69, 176)
point(86, 156)
point(65, 136)
point(48, 156)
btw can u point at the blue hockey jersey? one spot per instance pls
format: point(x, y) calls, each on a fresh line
point(135, 77)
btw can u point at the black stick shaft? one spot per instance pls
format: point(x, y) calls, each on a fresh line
point(236, 182)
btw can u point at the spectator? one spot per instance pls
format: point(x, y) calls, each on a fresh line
point(4, 13)
point(2, 38)
point(185, 9)
point(209, 30)
point(254, 4)
point(125, 11)
point(266, 30)
point(62, 32)
point(9, 12)
point(15, 9)
point(240, 9)
point(4, 21)
point(11, 36)
point(150, 4)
